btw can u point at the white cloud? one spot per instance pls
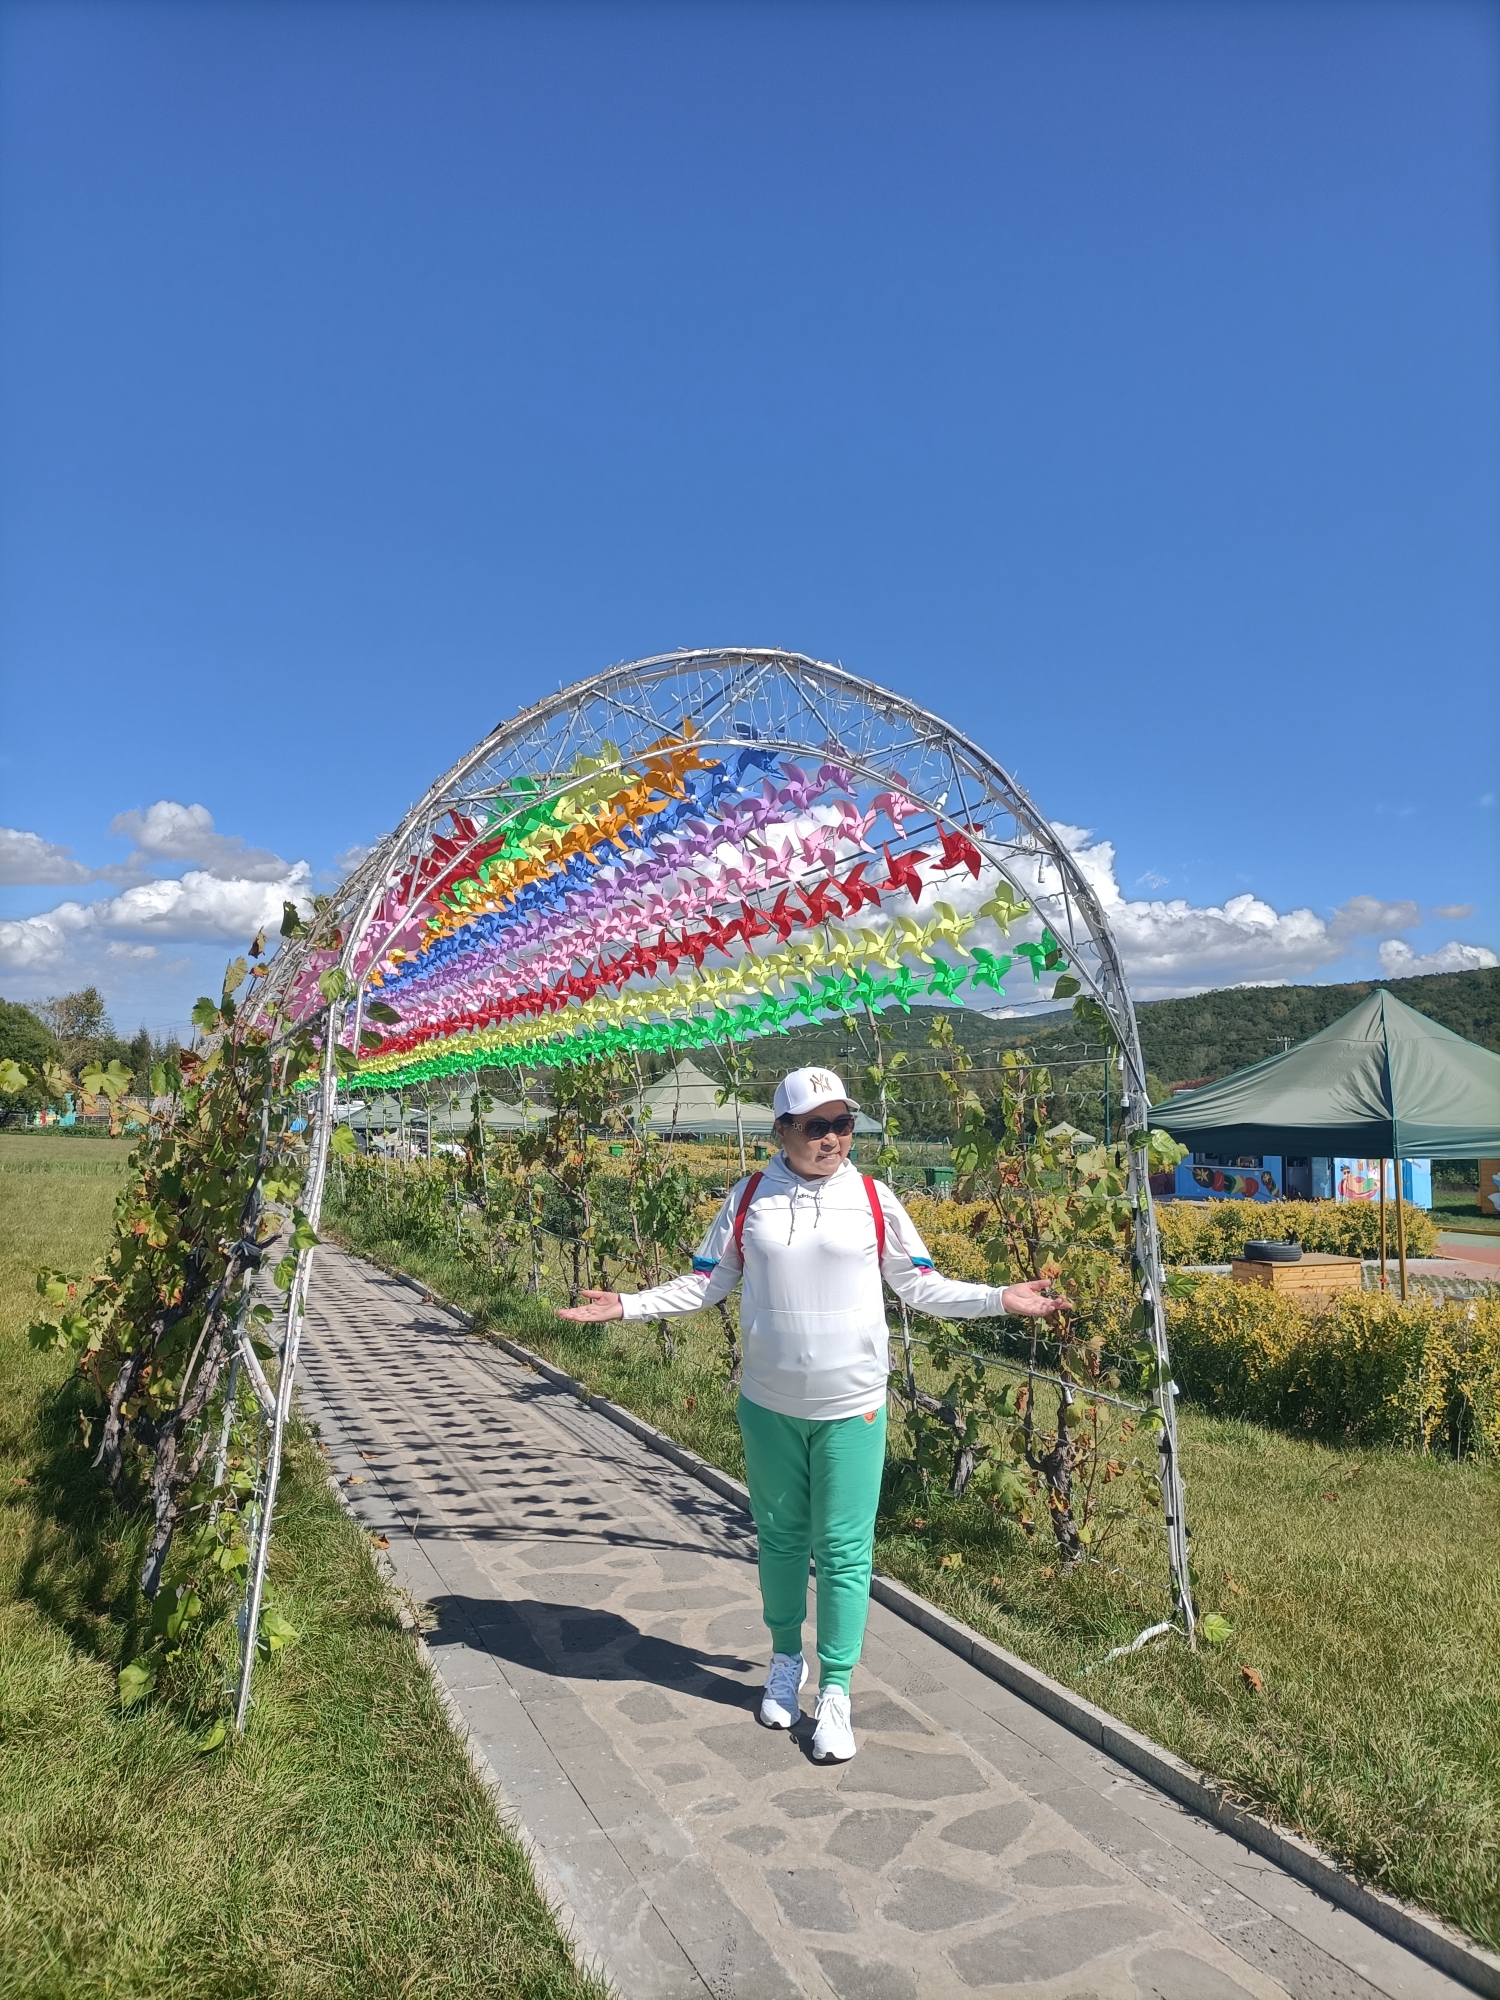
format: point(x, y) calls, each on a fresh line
point(134, 954)
point(1368, 916)
point(1399, 961)
point(28, 861)
point(200, 908)
point(346, 863)
point(1172, 946)
point(1454, 913)
point(168, 831)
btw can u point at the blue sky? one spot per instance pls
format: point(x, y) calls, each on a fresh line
point(1123, 381)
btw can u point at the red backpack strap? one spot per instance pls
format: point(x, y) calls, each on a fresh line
point(739, 1215)
point(872, 1195)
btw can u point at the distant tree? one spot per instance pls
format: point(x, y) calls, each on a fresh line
point(25, 1039)
point(84, 1032)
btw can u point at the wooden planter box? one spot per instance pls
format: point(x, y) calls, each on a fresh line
point(1315, 1279)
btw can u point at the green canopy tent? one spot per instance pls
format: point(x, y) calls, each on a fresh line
point(1383, 1083)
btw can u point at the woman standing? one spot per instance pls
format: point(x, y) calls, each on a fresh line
point(809, 1240)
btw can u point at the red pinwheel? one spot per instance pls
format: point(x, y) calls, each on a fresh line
point(856, 890)
point(778, 918)
point(753, 923)
point(821, 903)
point(960, 852)
point(903, 872)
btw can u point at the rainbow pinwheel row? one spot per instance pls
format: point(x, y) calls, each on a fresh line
point(555, 931)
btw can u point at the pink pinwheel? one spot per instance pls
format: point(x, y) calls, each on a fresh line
point(833, 777)
point(820, 847)
point(800, 790)
point(854, 825)
point(896, 806)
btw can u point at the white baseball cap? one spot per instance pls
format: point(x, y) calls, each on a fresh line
point(808, 1090)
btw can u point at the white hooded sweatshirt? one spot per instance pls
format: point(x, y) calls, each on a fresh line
point(812, 1314)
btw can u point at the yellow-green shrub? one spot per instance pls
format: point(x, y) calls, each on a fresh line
point(1367, 1370)
point(1212, 1232)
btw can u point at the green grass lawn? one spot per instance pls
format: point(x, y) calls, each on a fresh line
point(344, 1847)
point(1458, 1208)
point(1364, 1592)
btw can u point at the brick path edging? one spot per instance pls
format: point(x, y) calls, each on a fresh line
point(1418, 1931)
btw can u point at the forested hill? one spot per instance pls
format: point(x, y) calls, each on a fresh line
point(1213, 1033)
point(1183, 1041)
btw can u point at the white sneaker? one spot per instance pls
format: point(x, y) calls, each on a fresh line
point(833, 1737)
point(779, 1708)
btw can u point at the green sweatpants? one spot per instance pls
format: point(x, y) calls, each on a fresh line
point(814, 1490)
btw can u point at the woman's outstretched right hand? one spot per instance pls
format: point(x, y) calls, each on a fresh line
point(601, 1305)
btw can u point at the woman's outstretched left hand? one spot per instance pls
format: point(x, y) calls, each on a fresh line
point(601, 1305)
point(1033, 1300)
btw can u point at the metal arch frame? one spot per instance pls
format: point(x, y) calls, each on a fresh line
point(340, 931)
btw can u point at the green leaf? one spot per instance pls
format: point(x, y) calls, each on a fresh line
point(235, 975)
point(136, 1681)
point(334, 983)
point(12, 1077)
point(174, 1610)
point(159, 1081)
point(212, 1740)
point(342, 1144)
point(276, 1634)
point(378, 1010)
point(304, 1236)
point(1066, 987)
point(1215, 1629)
point(112, 1082)
point(284, 1273)
point(205, 1014)
point(291, 924)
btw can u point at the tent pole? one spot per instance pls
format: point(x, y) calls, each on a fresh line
point(1383, 1286)
point(1400, 1225)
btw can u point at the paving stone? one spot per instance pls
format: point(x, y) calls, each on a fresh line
point(574, 1589)
point(757, 1839)
point(724, 1802)
point(666, 1661)
point(678, 1774)
point(687, 1597)
point(645, 1706)
point(1049, 1947)
point(874, 1835)
point(679, 1565)
point(1058, 1870)
point(807, 1805)
point(854, 1979)
point(754, 1752)
point(990, 1830)
point(592, 1635)
point(1177, 1975)
point(557, 1555)
point(928, 1900)
point(745, 1631)
point(910, 1774)
point(877, 1712)
point(811, 1899)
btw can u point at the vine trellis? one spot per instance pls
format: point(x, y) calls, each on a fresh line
point(687, 851)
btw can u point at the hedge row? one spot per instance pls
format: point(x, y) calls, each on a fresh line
point(1212, 1232)
point(1367, 1371)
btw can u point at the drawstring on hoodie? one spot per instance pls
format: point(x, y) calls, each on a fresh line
point(799, 1189)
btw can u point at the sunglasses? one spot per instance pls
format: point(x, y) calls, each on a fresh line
point(819, 1128)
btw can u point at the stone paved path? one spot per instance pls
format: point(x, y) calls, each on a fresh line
point(597, 1622)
